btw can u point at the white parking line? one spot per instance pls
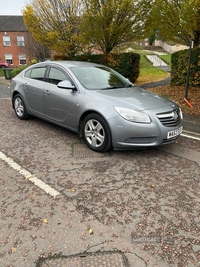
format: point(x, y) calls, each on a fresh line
point(29, 176)
point(191, 135)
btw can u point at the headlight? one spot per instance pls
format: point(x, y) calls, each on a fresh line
point(133, 115)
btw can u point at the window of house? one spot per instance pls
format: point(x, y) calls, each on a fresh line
point(9, 58)
point(6, 41)
point(22, 59)
point(20, 40)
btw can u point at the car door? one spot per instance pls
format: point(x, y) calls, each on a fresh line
point(60, 105)
point(33, 88)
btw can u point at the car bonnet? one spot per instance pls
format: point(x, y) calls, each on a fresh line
point(133, 97)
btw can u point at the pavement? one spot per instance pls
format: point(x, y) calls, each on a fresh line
point(158, 62)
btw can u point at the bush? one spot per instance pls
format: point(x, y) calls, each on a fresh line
point(17, 70)
point(180, 66)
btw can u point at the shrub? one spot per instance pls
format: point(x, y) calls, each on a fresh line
point(17, 70)
point(180, 66)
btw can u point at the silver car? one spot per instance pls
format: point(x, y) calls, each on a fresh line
point(98, 103)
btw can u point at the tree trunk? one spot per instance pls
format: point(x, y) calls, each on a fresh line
point(196, 38)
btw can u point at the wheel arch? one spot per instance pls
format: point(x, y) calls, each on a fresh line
point(85, 114)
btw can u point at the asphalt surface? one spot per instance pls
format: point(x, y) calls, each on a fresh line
point(145, 204)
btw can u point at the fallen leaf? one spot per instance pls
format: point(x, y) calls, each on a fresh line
point(177, 93)
point(45, 220)
point(31, 195)
point(90, 231)
point(14, 250)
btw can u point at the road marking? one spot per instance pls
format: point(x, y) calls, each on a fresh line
point(191, 135)
point(29, 176)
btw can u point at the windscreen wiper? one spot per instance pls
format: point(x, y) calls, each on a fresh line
point(114, 86)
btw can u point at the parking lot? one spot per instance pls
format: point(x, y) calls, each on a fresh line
point(57, 196)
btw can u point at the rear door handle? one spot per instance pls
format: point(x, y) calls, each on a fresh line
point(46, 92)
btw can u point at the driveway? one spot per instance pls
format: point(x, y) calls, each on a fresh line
point(144, 203)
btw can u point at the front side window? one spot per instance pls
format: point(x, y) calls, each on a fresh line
point(9, 58)
point(6, 41)
point(20, 40)
point(56, 76)
point(22, 59)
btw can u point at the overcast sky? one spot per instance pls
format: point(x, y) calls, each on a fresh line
point(12, 7)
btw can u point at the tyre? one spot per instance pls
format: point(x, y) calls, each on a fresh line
point(96, 133)
point(20, 108)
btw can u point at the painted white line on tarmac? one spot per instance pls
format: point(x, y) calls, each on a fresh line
point(191, 135)
point(29, 176)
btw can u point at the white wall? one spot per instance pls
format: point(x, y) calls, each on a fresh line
point(170, 48)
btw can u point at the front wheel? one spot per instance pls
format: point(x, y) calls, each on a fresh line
point(96, 133)
point(20, 108)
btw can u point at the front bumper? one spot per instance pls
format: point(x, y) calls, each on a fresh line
point(127, 134)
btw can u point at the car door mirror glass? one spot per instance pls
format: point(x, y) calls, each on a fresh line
point(66, 85)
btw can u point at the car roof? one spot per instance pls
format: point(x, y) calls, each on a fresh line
point(69, 63)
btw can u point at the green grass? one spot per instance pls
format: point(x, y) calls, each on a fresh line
point(1, 73)
point(149, 73)
point(166, 58)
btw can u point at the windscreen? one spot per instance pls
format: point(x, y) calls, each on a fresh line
point(100, 78)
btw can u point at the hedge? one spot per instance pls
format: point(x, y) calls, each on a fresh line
point(180, 66)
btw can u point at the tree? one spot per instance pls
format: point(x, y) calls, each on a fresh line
point(54, 24)
point(176, 20)
point(107, 24)
point(36, 50)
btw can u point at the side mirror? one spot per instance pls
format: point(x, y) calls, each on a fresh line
point(66, 85)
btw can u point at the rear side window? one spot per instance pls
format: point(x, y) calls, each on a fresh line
point(36, 73)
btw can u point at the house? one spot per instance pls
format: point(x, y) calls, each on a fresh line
point(14, 41)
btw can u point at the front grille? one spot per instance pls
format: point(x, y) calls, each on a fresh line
point(170, 119)
point(166, 141)
point(140, 140)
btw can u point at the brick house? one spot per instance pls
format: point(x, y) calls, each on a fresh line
point(14, 41)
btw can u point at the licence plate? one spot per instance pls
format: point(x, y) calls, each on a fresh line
point(174, 133)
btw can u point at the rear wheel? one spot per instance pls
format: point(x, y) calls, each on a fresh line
point(20, 108)
point(96, 133)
